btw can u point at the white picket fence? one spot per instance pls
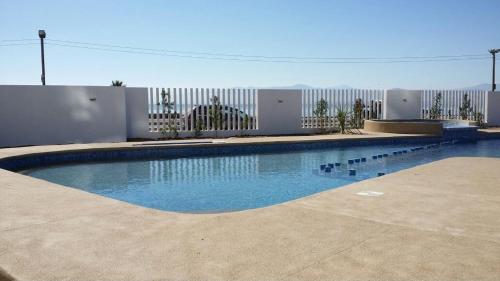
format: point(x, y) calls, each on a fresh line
point(339, 99)
point(234, 109)
point(451, 101)
point(203, 109)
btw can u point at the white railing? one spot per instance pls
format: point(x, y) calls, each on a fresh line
point(202, 109)
point(235, 109)
point(339, 99)
point(451, 102)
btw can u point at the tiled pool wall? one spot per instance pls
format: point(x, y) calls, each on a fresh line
point(488, 136)
point(23, 162)
point(460, 134)
point(18, 163)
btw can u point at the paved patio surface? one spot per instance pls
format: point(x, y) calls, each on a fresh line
point(439, 221)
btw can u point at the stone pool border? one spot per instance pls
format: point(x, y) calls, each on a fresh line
point(20, 158)
point(137, 151)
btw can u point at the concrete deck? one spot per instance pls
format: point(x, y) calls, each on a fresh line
point(439, 221)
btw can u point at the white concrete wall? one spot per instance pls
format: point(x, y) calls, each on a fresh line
point(279, 112)
point(37, 115)
point(493, 109)
point(402, 104)
point(137, 113)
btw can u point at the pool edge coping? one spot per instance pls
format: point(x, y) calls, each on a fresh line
point(127, 146)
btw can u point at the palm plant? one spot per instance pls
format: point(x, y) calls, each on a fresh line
point(117, 83)
point(246, 121)
point(215, 113)
point(342, 116)
point(357, 119)
point(435, 111)
point(320, 112)
point(198, 128)
point(465, 109)
point(479, 118)
point(167, 106)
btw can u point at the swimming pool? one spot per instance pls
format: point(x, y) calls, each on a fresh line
point(247, 181)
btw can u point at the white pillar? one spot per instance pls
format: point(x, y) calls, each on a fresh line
point(279, 112)
point(402, 104)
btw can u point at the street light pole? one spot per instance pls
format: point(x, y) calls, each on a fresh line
point(42, 34)
point(493, 53)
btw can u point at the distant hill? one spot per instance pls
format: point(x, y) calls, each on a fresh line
point(296, 86)
point(484, 86)
point(301, 86)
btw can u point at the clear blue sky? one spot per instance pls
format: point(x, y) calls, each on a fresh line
point(256, 27)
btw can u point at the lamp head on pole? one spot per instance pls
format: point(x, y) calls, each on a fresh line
point(41, 34)
point(494, 51)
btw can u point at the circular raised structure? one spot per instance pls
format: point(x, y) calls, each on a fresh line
point(417, 126)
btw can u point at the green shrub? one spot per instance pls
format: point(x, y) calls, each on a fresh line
point(479, 118)
point(357, 119)
point(341, 118)
point(435, 111)
point(215, 113)
point(169, 132)
point(198, 128)
point(320, 113)
point(465, 109)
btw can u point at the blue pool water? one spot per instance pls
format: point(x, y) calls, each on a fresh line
point(230, 183)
